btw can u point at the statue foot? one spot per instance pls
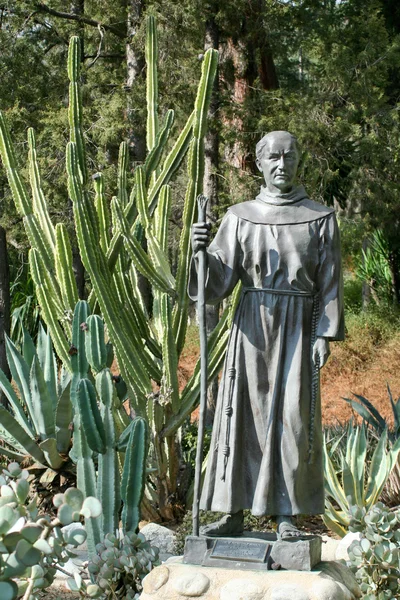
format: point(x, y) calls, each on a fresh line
point(230, 525)
point(286, 529)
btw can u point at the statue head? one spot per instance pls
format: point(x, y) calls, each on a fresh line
point(278, 156)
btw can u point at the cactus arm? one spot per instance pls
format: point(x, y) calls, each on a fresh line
point(108, 483)
point(170, 357)
point(39, 202)
point(49, 449)
point(195, 186)
point(154, 156)
point(103, 213)
point(90, 416)
point(96, 350)
point(7, 389)
point(79, 361)
point(123, 163)
point(86, 474)
point(139, 257)
point(21, 197)
point(42, 404)
point(191, 394)
point(24, 440)
point(161, 217)
point(64, 418)
point(86, 478)
point(59, 339)
point(64, 268)
point(151, 56)
point(171, 163)
point(133, 332)
point(130, 362)
point(134, 474)
point(75, 104)
point(50, 371)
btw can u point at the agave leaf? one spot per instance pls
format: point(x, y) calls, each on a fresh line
point(378, 472)
point(372, 410)
point(332, 483)
point(364, 413)
point(49, 448)
point(20, 374)
point(7, 389)
point(41, 402)
point(26, 442)
point(334, 526)
point(64, 418)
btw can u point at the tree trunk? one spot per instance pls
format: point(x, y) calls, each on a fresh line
point(211, 147)
point(5, 309)
point(134, 67)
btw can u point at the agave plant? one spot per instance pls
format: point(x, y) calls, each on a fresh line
point(357, 483)
point(39, 423)
point(119, 240)
point(370, 414)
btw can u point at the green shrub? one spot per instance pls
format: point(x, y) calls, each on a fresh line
point(375, 558)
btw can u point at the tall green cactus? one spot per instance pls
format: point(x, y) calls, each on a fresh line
point(98, 412)
point(120, 240)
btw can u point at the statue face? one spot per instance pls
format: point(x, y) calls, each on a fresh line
point(279, 162)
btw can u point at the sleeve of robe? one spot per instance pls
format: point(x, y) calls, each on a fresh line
point(330, 282)
point(222, 263)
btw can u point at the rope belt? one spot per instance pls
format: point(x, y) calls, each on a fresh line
point(231, 372)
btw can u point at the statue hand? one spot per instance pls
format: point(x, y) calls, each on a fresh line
point(200, 236)
point(321, 351)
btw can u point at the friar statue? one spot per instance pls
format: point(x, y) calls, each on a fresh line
point(266, 451)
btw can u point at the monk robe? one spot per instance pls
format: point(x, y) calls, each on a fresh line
point(266, 449)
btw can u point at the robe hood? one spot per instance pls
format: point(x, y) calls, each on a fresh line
point(281, 209)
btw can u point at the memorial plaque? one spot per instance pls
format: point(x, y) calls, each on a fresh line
point(240, 550)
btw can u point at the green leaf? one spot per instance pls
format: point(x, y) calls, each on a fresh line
point(8, 590)
point(42, 403)
point(25, 441)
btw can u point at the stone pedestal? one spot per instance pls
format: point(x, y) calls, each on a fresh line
point(177, 581)
point(253, 551)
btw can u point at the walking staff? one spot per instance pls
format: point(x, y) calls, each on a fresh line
point(201, 313)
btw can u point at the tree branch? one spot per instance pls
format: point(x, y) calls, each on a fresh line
point(80, 18)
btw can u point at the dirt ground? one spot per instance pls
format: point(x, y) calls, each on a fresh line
point(359, 366)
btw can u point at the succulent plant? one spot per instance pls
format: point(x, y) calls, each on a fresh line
point(119, 566)
point(375, 557)
point(33, 545)
point(357, 483)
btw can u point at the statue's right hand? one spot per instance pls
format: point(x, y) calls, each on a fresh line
point(200, 236)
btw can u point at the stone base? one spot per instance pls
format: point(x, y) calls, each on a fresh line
point(177, 581)
point(254, 551)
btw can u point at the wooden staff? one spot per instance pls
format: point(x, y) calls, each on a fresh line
point(201, 313)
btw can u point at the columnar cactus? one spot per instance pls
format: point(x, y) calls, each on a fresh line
point(98, 422)
point(111, 240)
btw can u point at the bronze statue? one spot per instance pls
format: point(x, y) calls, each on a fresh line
point(266, 449)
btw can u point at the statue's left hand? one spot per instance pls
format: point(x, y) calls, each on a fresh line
point(321, 351)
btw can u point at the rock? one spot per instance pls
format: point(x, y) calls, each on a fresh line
point(329, 581)
point(191, 584)
point(241, 589)
point(344, 544)
point(161, 537)
point(329, 547)
point(155, 579)
point(288, 590)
